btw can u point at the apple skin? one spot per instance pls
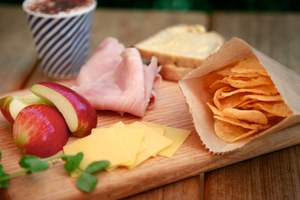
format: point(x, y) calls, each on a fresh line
point(10, 106)
point(40, 130)
point(80, 116)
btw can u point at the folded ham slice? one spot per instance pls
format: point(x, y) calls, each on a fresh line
point(115, 78)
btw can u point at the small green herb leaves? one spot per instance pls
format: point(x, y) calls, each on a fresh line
point(97, 166)
point(86, 182)
point(33, 164)
point(72, 162)
point(4, 178)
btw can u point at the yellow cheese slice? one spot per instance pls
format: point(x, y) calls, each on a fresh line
point(177, 135)
point(131, 138)
point(153, 142)
point(103, 144)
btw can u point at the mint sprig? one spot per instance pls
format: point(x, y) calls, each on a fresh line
point(86, 181)
point(33, 164)
point(4, 178)
point(72, 162)
point(97, 166)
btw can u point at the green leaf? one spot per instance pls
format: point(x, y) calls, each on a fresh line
point(72, 161)
point(97, 166)
point(4, 178)
point(86, 182)
point(33, 164)
point(0, 155)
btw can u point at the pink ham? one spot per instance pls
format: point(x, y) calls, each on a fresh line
point(116, 79)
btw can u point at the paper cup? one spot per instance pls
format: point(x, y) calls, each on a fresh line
point(62, 40)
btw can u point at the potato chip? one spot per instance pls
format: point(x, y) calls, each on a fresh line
point(227, 72)
point(266, 98)
point(217, 85)
point(243, 82)
point(244, 104)
point(231, 133)
point(214, 110)
point(264, 89)
point(279, 109)
point(240, 123)
point(232, 101)
point(251, 65)
point(217, 96)
point(253, 116)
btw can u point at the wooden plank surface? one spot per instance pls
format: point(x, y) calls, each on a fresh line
point(276, 175)
point(187, 189)
point(16, 49)
point(130, 27)
point(190, 160)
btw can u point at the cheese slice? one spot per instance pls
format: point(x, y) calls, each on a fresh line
point(177, 135)
point(153, 142)
point(103, 144)
point(131, 138)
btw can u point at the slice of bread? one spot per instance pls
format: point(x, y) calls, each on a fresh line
point(180, 48)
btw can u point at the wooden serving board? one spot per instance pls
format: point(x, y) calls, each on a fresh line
point(190, 159)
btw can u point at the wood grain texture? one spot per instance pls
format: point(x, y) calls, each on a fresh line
point(130, 27)
point(276, 175)
point(190, 159)
point(187, 189)
point(17, 49)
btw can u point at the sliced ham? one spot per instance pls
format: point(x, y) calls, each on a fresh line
point(116, 79)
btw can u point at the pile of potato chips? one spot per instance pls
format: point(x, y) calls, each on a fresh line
point(245, 101)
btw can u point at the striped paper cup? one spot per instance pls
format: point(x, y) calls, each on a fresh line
point(62, 40)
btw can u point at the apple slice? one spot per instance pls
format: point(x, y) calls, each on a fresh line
point(40, 130)
point(80, 116)
point(10, 106)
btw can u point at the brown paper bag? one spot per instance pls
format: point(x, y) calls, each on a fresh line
point(286, 81)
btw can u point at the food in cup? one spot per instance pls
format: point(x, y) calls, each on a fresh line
point(57, 6)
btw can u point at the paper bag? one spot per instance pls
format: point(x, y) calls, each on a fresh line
point(193, 87)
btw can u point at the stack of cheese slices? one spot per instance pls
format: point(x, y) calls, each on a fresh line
point(128, 145)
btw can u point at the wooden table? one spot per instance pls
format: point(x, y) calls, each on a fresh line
point(272, 176)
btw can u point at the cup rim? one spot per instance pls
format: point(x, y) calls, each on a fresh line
point(60, 15)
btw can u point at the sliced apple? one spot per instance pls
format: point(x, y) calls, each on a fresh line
point(80, 116)
point(40, 130)
point(11, 105)
point(4, 107)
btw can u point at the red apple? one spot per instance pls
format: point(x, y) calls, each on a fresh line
point(40, 130)
point(80, 116)
point(10, 106)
